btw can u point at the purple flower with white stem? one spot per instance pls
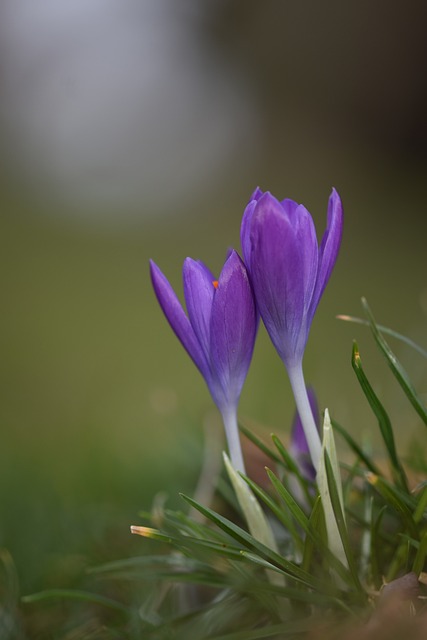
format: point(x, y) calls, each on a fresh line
point(289, 272)
point(218, 333)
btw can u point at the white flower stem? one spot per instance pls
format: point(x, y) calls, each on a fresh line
point(296, 377)
point(229, 418)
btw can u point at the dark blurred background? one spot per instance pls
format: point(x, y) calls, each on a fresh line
point(139, 129)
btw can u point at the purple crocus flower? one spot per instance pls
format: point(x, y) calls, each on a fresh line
point(289, 272)
point(218, 333)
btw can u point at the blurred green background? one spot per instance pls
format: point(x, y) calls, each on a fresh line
point(139, 130)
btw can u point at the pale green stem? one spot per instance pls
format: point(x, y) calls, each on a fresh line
point(229, 417)
point(296, 377)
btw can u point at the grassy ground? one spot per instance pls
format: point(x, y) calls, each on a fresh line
point(101, 408)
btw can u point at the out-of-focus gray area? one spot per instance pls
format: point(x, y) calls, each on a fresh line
point(105, 104)
point(108, 104)
point(138, 129)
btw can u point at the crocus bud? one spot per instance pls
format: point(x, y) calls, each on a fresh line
point(218, 333)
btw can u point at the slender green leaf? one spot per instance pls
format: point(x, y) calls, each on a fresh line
point(74, 594)
point(254, 515)
point(394, 364)
point(387, 330)
point(293, 468)
point(339, 518)
point(281, 630)
point(328, 451)
point(420, 511)
point(316, 522)
point(249, 541)
point(420, 558)
point(9, 587)
point(375, 547)
point(394, 500)
point(400, 561)
point(310, 531)
point(289, 500)
point(382, 417)
point(356, 449)
point(260, 444)
point(280, 514)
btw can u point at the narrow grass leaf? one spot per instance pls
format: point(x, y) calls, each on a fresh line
point(420, 511)
point(292, 466)
point(420, 558)
point(254, 515)
point(316, 522)
point(335, 543)
point(381, 415)
point(251, 543)
point(387, 330)
point(394, 364)
point(260, 444)
point(282, 630)
point(370, 464)
point(310, 531)
point(74, 594)
point(339, 519)
point(394, 500)
point(280, 513)
point(376, 545)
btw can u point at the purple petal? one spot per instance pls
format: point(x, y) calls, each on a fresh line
point(246, 223)
point(277, 269)
point(177, 318)
point(256, 194)
point(289, 207)
point(199, 293)
point(233, 329)
point(329, 248)
point(245, 238)
point(305, 233)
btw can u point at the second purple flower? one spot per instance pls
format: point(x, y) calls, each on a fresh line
point(218, 333)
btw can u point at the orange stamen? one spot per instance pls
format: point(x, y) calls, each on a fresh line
point(215, 284)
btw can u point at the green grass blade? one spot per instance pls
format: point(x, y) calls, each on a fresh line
point(308, 529)
point(316, 522)
point(376, 544)
point(249, 541)
point(282, 630)
point(393, 498)
point(370, 464)
point(329, 451)
point(257, 523)
point(289, 500)
point(387, 330)
point(280, 514)
point(421, 507)
point(292, 466)
point(394, 364)
point(339, 518)
point(420, 558)
point(381, 415)
point(260, 444)
point(74, 594)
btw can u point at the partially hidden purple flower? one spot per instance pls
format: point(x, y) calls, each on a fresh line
point(218, 333)
point(299, 445)
point(288, 270)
